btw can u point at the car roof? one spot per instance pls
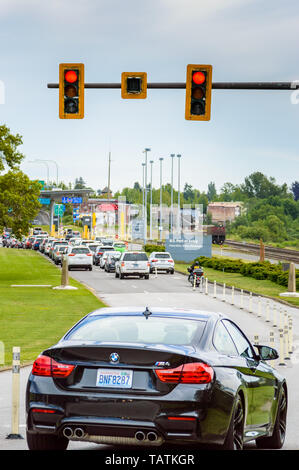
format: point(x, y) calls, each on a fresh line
point(191, 314)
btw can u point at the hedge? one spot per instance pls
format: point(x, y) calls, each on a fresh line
point(150, 248)
point(260, 271)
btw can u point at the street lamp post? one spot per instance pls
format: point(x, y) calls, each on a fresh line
point(179, 197)
point(171, 200)
point(151, 202)
point(145, 194)
point(161, 226)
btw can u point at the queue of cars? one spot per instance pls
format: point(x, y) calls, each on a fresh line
point(110, 255)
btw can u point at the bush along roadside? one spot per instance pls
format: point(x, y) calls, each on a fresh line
point(260, 271)
point(151, 248)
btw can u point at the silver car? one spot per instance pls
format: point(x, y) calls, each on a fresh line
point(132, 263)
point(161, 261)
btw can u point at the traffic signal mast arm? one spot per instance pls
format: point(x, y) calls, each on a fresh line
point(215, 85)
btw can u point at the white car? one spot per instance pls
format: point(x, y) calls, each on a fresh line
point(161, 261)
point(132, 263)
point(79, 257)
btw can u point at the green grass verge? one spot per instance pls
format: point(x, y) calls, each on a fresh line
point(261, 287)
point(31, 317)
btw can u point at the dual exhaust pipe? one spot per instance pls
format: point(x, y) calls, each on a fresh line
point(79, 433)
point(150, 436)
point(71, 433)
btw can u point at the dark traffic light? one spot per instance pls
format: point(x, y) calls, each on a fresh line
point(71, 91)
point(133, 85)
point(198, 92)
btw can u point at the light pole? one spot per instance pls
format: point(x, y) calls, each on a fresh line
point(151, 201)
point(53, 161)
point(171, 200)
point(161, 226)
point(42, 161)
point(179, 198)
point(145, 194)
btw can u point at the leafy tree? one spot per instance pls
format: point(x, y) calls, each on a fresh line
point(18, 195)
point(212, 193)
point(18, 201)
point(79, 183)
point(295, 190)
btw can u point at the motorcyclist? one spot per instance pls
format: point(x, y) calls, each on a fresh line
point(194, 265)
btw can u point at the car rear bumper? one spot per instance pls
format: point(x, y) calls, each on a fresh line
point(186, 414)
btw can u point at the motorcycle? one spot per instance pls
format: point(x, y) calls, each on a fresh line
point(196, 275)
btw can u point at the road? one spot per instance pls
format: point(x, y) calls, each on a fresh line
point(172, 291)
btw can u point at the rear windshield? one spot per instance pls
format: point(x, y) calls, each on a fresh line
point(80, 251)
point(92, 247)
point(105, 248)
point(136, 329)
point(135, 257)
point(162, 255)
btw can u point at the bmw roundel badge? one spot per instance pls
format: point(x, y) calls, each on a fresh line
point(114, 358)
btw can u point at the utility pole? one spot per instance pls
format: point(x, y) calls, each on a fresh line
point(171, 203)
point(179, 196)
point(161, 225)
point(109, 166)
point(145, 194)
point(151, 202)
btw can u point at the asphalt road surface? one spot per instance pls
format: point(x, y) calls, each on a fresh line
point(167, 290)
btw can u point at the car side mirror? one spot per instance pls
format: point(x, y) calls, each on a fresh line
point(266, 353)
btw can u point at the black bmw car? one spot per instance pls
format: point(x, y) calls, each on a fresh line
point(146, 377)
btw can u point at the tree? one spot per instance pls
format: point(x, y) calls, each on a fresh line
point(79, 183)
point(295, 190)
point(212, 193)
point(258, 185)
point(18, 195)
point(18, 202)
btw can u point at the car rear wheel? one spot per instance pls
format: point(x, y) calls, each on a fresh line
point(46, 442)
point(235, 434)
point(121, 275)
point(276, 441)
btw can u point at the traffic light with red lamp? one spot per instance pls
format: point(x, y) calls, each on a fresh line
point(198, 92)
point(71, 91)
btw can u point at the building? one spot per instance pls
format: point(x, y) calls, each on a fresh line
point(225, 211)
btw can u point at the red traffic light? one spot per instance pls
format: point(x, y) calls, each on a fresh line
point(198, 78)
point(71, 76)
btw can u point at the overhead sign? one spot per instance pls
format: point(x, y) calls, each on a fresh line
point(59, 209)
point(44, 200)
point(72, 200)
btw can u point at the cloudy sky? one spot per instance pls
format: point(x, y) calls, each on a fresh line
point(244, 40)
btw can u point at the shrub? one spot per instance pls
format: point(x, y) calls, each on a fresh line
point(150, 248)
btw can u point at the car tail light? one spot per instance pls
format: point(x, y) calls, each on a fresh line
point(46, 367)
point(181, 418)
point(42, 410)
point(170, 261)
point(122, 264)
point(89, 254)
point(154, 260)
point(191, 373)
point(72, 254)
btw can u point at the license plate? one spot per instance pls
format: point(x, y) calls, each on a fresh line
point(114, 378)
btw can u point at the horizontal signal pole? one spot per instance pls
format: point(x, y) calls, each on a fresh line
point(216, 86)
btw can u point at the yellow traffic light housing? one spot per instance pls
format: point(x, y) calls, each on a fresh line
point(198, 92)
point(71, 91)
point(134, 85)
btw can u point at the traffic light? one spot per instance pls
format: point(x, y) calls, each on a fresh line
point(133, 85)
point(198, 92)
point(71, 91)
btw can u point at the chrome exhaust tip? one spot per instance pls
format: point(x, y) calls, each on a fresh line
point(67, 432)
point(140, 436)
point(152, 436)
point(79, 433)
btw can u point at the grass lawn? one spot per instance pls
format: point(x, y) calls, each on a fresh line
point(31, 317)
point(250, 284)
